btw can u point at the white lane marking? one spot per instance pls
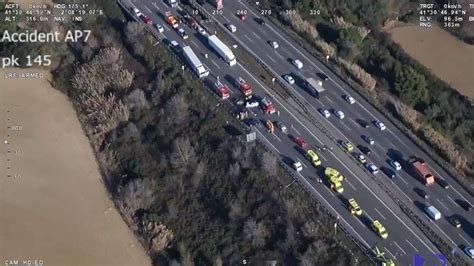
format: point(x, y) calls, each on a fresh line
point(249, 9)
point(391, 254)
point(268, 141)
point(302, 162)
point(455, 190)
point(194, 43)
point(254, 34)
point(344, 124)
point(440, 202)
point(352, 186)
point(271, 58)
point(334, 211)
point(148, 9)
point(354, 122)
point(155, 5)
point(296, 130)
point(467, 242)
point(248, 38)
point(277, 137)
point(330, 100)
point(279, 55)
point(343, 164)
point(399, 140)
point(402, 191)
point(400, 248)
point(226, 19)
point(412, 245)
point(403, 179)
point(442, 231)
point(451, 199)
point(215, 64)
point(380, 214)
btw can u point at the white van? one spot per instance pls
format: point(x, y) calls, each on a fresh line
point(433, 213)
point(298, 64)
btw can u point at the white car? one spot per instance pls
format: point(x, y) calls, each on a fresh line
point(182, 33)
point(395, 165)
point(159, 28)
point(380, 125)
point(298, 166)
point(325, 112)
point(202, 31)
point(297, 63)
point(251, 104)
point(469, 252)
point(372, 168)
point(274, 44)
point(339, 114)
point(231, 28)
point(349, 99)
point(137, 12)
point(289, 79)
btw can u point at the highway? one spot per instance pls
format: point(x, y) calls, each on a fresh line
point(405, 239)
point(389, 144)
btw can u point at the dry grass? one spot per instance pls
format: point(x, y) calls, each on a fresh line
point(58, 210)
point(446, 56)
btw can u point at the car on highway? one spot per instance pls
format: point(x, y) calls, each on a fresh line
point(137, 12)
point(469, 252)
point(289, 79)
point(368, 139)
point(313, 157)
point(379, 229)
point(454, 221)
point(301, 142)
point(239, 101)
point(201, 2)
point(323, 76)
point(202, 31)
point(372, 168)
point(363, 123)
point(273, 44)
point(251, 121)
point(349, 99)
point(347, 145)
point(365, 150)
point(175, 45)
point(260, 21)
point(159, 27)
point(354, 207)
point(464, 204)
point(339, 114)
point(325, 112)
point(380, 125)
point(388, 172)
point(297, 63)
point(252, 103)
point(442, 182)
point(421, 192)
point(297, 165)
point(146, 19)
point(282, 127)
point(231, 28)
point(396, 165)
point(182, 33)
point(360, 157)
point(241, 16)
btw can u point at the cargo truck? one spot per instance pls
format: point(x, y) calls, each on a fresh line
point(218, 4)
point(195, 63)
point(245, 87)
point(315, 87)
point(433, 213)
point(422, 171)
point(222, 50)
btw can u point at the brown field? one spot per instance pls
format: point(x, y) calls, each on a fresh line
point(56, 208)
point(446, 56)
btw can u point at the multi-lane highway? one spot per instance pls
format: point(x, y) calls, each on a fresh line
point(405, 239)
point(389, 144)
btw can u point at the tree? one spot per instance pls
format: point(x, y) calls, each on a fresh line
point(234, 169)
point(269, 163)
point(183, 152)
point(410, 85)
point(136, 99)
point(255, 232)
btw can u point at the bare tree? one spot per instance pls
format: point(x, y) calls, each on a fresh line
point(198, 174)
point(186, 256)
point(137, 99)
point(161, 238)
point(269, 163)
point(133, 196)
point(234, 169)
point(290, 235)
point(255, 232)
point(310, 229)
point(178, 109)
point(235, 211)
point(183, 152)
point(236, 151)
point(130, 131)
point(218, 261)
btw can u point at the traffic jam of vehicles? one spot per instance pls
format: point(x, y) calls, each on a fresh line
point(246, 103)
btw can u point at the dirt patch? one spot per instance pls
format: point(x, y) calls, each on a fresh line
point(446, 56)
point(53, 204)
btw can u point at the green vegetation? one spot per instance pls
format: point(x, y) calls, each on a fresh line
point(345, 26)
point(172, 159)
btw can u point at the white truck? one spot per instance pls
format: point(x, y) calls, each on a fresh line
point(222, 50)
point(172, 3)
point(315, 86)
point(433, 213)
point(195, 63)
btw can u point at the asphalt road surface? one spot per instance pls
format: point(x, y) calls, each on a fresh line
point(405, 239)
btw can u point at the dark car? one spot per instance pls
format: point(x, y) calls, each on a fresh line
point(260, 21)
point(251, 121)
point(465, 205)
point(323, 76)
point(363, 123)
point(388, 172)
point(421, 193)
point(201, 2)
point(364, 150)
point(442, 182)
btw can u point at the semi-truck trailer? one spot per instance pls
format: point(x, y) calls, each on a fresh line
point(222, 49)
point(315, 87)
point(422, 171)
point(195, 63)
